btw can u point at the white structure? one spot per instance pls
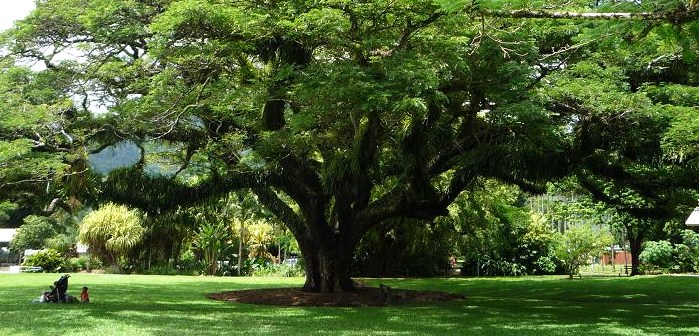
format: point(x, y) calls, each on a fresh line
point(693, 219)
point(6, 235)
point(81, 249)
point(31, 252)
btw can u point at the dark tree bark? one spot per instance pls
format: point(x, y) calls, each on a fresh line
point(327, 269)
point(274, 114)
point(635, 237)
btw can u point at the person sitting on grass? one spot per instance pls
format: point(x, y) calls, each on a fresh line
point(84, 297)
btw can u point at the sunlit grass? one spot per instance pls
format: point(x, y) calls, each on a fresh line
point(169, 305)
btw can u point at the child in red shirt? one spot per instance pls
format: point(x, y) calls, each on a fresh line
point(84, 297)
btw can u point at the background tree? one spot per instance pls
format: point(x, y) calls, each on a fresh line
point(6, 209)
point(406, 247)
point(112, 233)
point(579, 244)
point(247, 211)
point(168, 236)
point(286, 243)
point(500, 235)
point(57, 233)
point(67, 230)
point(33, 234)
point(259, 237)
point(626, 129)
point(212, 240)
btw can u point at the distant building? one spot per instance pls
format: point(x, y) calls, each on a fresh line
point(6, 257)
point(6, 236)
point(619, 257)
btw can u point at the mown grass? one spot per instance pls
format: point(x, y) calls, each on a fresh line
point(172, 305)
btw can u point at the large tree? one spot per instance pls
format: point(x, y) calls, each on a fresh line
point(631, 102)
point(337, 114)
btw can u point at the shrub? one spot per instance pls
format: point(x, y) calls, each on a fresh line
point(250, 266)
point(33, 233)
point(112, 232)
point(94, 263)
point(685, 259)
point(49, 261)
point(284, 270)
point(111, 269)
point(164, 270)
point(672, 258)
point(231, 268)
point(487, 266)
point(657, 255)
point(189, 264)
point(77, 264)
point(579, 244)
point(691, 240)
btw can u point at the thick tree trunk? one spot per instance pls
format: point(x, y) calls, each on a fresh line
point(327, 269)
point(635, 252)
point(326, 255)
point(636, 245)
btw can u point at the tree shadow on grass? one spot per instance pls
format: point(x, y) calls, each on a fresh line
point(360, 297)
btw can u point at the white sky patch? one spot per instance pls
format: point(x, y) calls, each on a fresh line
point(11, 10)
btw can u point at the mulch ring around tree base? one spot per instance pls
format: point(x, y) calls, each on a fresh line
point(360, 297)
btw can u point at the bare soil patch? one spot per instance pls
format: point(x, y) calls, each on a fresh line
point(360, 297)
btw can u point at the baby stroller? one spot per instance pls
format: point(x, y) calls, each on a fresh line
point(58, 290)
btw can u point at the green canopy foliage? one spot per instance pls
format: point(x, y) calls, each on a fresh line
point(33, 234)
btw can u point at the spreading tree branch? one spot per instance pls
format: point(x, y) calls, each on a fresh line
point(676, 16)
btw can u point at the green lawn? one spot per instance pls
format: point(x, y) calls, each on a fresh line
point(168, 305)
